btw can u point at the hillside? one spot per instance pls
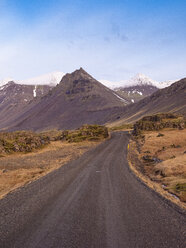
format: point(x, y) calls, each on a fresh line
point(170, 99)
point(15, 97)
point(78, 99)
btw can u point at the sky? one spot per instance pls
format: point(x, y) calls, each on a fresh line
point(111, 40)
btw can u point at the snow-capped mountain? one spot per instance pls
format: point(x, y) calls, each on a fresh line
point(138, 79)
point(47, 79)
point(51, 79)
point(137, 87)
point(141, 79)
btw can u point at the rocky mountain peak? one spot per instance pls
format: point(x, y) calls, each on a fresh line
point(79, 74)
point(11, 83)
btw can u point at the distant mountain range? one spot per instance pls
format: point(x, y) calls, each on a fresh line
point(131, 90)
point(170, 99)
point(138, 87)
point(54, 78)
point(79, 99)
point(76, 100)
point(139, 79)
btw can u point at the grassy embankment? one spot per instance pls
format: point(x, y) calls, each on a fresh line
point(26, 156)
point(158, 150)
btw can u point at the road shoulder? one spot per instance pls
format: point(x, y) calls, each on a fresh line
point(134, 165)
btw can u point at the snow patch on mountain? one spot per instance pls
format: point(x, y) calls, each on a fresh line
point(120, 98)
point(5, 81)
point(166, 83)
point(34, 91)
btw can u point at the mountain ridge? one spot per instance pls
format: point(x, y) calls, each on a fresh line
point(53, 78)
point(80, 99)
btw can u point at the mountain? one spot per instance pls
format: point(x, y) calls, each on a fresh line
point(51, 79)
point(78, 99)
point(140, 87)
point(134, 94)
point(170, 99)
point(137, 88)
point(15, 97)
point(138, 80)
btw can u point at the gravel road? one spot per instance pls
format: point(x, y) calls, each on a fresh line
point(93, 202)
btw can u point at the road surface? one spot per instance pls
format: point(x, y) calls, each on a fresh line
point(93, 202)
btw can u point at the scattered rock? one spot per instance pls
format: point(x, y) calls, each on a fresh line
point(150, 159)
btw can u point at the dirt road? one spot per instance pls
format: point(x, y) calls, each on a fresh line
point(95, 202)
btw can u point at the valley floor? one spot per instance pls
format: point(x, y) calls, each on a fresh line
point(19, 169)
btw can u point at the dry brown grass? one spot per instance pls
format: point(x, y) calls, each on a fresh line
point(173, 143)
point(19, 169)
point(169, 147)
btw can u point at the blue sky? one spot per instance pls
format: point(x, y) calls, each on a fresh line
point(112, 40)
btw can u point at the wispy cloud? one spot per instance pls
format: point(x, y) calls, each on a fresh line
point(115, 42)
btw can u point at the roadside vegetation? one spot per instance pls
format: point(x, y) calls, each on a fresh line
point(22, 141)
point(159, 122)
point(158, 150)
point(26, 156)
point(86, 132)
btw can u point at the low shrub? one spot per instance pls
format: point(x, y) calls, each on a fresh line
point(22, 141)
point(86, 132)
point(160, 135)
point(158, 122)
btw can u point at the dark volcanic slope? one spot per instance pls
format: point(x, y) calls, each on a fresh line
point(93, 202)
point(15, 97)
point(78, 99)
point(137, 92)
point(170, 99)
